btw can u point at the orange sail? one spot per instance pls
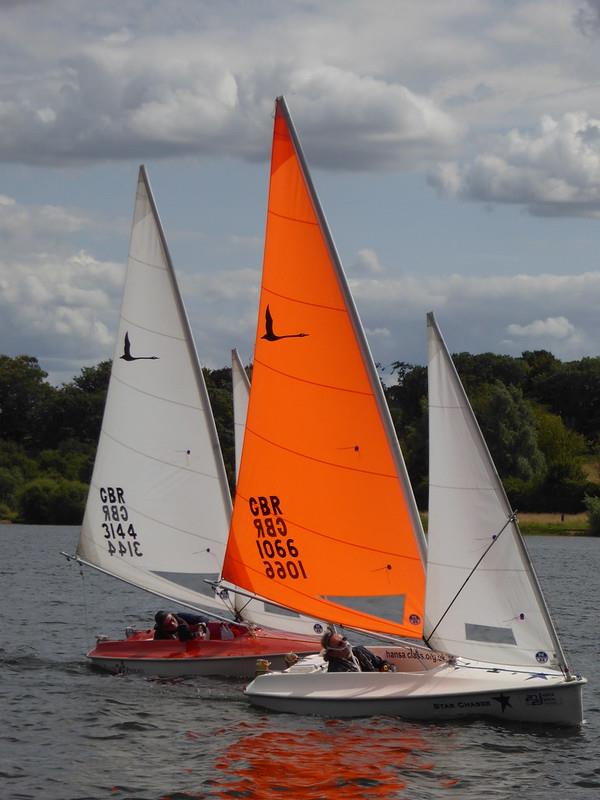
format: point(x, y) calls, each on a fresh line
point(324, 520)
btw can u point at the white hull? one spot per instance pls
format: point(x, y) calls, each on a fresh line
point(447, 691)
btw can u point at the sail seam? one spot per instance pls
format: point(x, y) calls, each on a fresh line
point(163, 461)
point(302, 302)
point(320, 460)
point(314, 223)
point(155, 396)
point(148, 263)
point(152, 330)
point(313, 383)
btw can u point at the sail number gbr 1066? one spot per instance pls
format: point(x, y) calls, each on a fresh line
point(280, 555)
point(119, 530)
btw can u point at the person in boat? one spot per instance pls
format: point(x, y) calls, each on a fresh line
point(182, 626)
point(341, 656)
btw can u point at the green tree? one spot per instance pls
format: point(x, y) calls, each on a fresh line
point(24, 400)
point(52, 501)
point(488, 368)
point(573, 392)
point(592, 505)
point(220, 392)
point(76, 410)
point(508, 425)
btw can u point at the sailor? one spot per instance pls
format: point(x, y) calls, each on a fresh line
point(341, 656)
point(182, 626)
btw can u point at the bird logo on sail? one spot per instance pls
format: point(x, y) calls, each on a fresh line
point(127, 352)
point(270, 334)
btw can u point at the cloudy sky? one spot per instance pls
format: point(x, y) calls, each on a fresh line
point(455, 148)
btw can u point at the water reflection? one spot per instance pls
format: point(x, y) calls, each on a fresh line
point(333, 758)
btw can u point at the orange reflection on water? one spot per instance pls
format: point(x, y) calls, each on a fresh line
point(335, 759)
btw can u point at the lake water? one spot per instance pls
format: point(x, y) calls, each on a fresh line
point(70, 733)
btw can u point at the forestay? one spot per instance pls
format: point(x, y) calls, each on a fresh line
point(324, 520)
point(483, 600)
point(158, 509)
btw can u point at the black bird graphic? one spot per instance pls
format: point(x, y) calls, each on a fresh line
point(271, 336)
point(127, 352)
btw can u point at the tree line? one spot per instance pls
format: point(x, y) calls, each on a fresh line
point(540, 417)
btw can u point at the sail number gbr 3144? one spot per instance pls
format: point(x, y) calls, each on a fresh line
point(280, 555)
point(119, 531)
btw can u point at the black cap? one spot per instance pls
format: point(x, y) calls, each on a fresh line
point(160, 617)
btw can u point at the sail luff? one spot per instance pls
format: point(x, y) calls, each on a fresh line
point(507, 535)
point(361, 338)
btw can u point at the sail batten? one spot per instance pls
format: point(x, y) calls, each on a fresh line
point(316, 412)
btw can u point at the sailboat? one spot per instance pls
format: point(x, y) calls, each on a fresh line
point(323, 481)
point(158, 508)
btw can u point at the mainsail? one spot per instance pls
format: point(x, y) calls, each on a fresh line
point(324, 519)
point(483, 599)
point(158, 508)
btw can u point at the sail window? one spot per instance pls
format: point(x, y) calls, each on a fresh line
point(489, 633)
point(192, 580)
point(270, 608)
point(394, 605)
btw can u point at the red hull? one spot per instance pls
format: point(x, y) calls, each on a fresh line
point(172, 658)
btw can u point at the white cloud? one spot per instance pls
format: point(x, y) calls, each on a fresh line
point(59, 309)
point(25, 227)
point(549, 328)
point(367, 262)
point(476, 312)
point(554, 170)
point(192, 81)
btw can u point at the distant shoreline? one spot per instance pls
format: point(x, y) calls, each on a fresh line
point(548, 524)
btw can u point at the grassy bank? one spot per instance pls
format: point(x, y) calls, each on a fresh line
point(551, 524)
point(548, 524)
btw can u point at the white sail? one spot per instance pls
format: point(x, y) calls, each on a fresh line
point(483, 600)
point(158, 508)
point(241, 395)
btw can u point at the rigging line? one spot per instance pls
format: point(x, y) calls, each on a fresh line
point(512, 518)
point(85, 610)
